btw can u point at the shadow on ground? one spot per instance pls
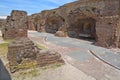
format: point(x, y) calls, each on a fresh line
point(4, 74)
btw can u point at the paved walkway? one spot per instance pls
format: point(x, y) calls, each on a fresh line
point(106, 54)
point(81, 54)
point(4, 75)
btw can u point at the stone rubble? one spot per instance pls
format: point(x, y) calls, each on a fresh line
point(23, 51)
point(15, 25)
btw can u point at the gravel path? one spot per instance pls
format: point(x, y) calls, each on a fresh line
point(65, 72)
point(108, 55)
point(81, 58)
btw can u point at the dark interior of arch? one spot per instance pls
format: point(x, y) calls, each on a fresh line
point(53, 24)
point(83, 29)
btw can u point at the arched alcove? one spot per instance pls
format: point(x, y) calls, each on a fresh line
point(83, 28)
point(53, 24)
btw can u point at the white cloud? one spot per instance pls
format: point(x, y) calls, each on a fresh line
point(3, 17)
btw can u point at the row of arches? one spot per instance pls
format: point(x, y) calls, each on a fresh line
point(53, 24)
point(83, 28)
point(80, 28)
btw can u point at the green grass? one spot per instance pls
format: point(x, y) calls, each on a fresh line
point(34, 72)
point(27, 75)
point(40, 46)
point(1, 37)
point(4, 47)
point(31, 66)
point(0, 28)
point(27, 65)
point(8, 41)
point(52, 66)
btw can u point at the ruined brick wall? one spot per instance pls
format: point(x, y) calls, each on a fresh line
point(33, 22)
point(23, 51)
point(46, 21)
point(1, 22)
point(111, 8)
point(118, 32)
point(37, 21)
point(15, 25)
point(30, 24)
point(107, 28)
point(71, 18)
point(94, 18)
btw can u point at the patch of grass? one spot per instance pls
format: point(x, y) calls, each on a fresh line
point(27, 75)
point(1, 37)
point(58, 65)
point(32, 73)
point(40, 46)
point(3, 48)
point(0, 28)
point(27, 65)
point(53, 66)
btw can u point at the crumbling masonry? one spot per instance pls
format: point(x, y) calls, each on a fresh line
point(97, 19)
point(15, 25)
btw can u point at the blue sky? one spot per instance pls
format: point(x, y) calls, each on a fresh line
point(31, 6)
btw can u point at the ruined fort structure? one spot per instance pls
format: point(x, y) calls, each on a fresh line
point(24, 54)
point(1, 22)
point(15, 25)
point(97, 19)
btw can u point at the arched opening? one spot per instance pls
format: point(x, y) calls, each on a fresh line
point(53, 24)
point(2, 35)
point(83, 29)
point(36, 27)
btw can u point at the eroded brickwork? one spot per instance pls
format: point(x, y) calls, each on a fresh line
point(97, 19)
point(15, 25)
point(24, 54)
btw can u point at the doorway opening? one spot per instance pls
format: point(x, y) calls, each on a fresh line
point(53, 24)
point(83, 29)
